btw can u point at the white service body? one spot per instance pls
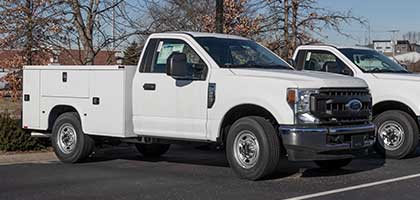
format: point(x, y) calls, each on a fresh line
point(47, 90)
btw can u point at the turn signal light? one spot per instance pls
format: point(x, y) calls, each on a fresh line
point(291, 96)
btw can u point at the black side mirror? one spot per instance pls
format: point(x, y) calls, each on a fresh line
point(291, 62)
point(177, 67)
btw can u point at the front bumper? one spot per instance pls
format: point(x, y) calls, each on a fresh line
point(327, 143)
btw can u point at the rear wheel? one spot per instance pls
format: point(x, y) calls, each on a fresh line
point(333, 164)
point(152, 150)
point(397, 134)
point(253, 148)
point(70, 144)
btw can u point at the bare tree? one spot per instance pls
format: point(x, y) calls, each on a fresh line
point(25, 26)
point(412, 36)
point(302, 21)
point(93, 25)
point(176, 15)
point(237, 19)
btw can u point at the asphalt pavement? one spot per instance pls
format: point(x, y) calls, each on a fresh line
point(188, 172)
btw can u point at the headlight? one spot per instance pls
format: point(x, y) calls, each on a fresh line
point(300, 101)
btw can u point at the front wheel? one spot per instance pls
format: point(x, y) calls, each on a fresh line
point(253, 148)
point(333, 164)
point(397, 135)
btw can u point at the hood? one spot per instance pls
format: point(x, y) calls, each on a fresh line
point(303, 79)
point(397, 77)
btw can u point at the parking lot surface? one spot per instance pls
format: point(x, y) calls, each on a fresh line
point(188, 172)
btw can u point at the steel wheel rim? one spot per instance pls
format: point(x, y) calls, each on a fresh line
point(67, 138)
point(391, 135)
point(246, 149)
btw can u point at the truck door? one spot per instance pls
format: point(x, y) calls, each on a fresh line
point(163, 106)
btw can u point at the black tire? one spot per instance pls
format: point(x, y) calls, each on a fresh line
point(333, 164)
point(269, 148)
point(84, 144)
point(410, 129)
point(152, 150)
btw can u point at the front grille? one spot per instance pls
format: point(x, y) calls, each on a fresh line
point(331, 106)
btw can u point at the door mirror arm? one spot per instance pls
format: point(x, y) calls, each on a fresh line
point(292, 62)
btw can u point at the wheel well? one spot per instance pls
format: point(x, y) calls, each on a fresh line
point(393, 105)
point(240, 111)
point(57, 111)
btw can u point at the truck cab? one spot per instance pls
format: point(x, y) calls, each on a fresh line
point(396, 108)
point(203, 87)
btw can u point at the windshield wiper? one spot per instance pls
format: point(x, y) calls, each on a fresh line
point(238, 66)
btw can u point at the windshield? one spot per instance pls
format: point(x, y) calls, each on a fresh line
point(371, 61)
point(237, 53)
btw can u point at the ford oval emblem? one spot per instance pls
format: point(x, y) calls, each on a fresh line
point(354, 105)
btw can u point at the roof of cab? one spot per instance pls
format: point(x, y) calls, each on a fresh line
point(203, 34)
point(335, 46)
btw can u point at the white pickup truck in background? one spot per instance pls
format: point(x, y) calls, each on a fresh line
point(395, 91)
point(202, 87)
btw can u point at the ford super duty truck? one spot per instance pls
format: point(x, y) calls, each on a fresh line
point(395, 91)
point(202, 87)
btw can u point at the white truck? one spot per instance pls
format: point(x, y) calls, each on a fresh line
point(395, 91)
point(202, 87)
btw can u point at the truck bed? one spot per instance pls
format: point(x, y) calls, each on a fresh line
point(100, 94)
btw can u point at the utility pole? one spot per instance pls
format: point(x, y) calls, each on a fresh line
point(394, 42)
point(219, 16)
point(113, 24)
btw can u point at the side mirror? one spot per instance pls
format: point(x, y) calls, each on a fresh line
point(291, 62)
point(177, 67)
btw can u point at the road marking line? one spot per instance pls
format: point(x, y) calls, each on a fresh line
point(353, 187)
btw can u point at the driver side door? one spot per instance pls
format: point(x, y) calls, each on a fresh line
point(164, 106)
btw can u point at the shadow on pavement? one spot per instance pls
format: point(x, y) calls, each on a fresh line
point(209, 156)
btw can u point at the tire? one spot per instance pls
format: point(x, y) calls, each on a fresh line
point(263, 148)
point(152, 150)
point(401, 123)
point(68, 128)
point(333, 164)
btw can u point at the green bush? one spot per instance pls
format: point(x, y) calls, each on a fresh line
point(13, 138)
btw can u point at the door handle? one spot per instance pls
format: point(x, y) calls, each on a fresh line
point(149, 86)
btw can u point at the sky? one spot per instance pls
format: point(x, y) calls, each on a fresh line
point(382, 15)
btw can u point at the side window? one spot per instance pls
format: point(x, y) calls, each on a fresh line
point(326, 62)
point(300, 59)
point(166, 47)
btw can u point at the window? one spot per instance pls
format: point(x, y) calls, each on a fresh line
point(166, 47)
point(371, 61)
point(240, 53)
point(326, 62)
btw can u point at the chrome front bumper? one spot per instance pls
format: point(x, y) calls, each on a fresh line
point(327, 143)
